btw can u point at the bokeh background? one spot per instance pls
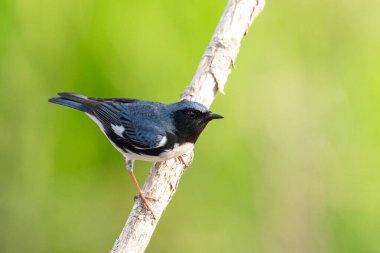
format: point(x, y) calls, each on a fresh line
point(293, 167)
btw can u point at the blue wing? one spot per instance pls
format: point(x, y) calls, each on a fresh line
point(144, 134)
point(138, 123)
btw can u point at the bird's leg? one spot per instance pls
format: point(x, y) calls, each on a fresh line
point(180, 158)
point(143, 197)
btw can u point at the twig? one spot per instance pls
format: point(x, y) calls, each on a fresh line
point(210, 77)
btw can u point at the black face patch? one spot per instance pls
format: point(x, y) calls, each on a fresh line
point(190, 123)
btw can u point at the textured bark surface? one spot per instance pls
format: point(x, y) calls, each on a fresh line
point(211, 76)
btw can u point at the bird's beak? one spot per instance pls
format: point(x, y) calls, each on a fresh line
point(214, 116)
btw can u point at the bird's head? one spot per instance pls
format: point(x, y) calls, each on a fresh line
point(190, 118)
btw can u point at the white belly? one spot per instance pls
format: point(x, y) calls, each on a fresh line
point(175, 152)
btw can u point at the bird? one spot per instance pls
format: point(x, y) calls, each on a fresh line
point(143, 130)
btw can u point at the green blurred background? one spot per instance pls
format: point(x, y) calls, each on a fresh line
point(293, 167)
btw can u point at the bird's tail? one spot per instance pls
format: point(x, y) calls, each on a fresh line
point(72, 100)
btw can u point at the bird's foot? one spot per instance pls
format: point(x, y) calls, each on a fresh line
point(143, 196)
point(145, 199)
point(180, 158)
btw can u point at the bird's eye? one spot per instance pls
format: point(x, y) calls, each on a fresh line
point(192, 114)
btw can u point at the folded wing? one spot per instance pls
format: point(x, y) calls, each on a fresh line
point(140, 130)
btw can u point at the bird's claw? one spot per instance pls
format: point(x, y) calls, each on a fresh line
point(142, 196)
point(145, 199)
point(180, 158)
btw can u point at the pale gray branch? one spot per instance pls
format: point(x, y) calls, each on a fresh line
point(211, 76)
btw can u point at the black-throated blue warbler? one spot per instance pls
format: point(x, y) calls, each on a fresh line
point(143, 130)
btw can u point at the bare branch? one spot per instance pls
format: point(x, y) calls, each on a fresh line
point(211, 76)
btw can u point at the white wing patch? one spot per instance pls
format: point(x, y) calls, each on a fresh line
point(118, 130)
point(160, 144)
